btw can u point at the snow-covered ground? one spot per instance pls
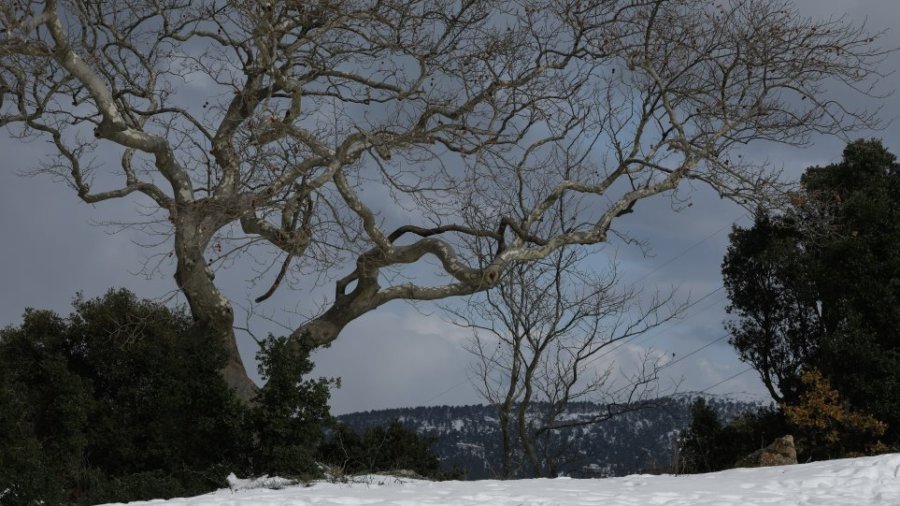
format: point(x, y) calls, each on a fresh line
point(865, 481)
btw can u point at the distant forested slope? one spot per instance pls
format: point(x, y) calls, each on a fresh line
point(467, 437)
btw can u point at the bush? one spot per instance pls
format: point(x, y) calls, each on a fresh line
point(43, 414)
point(710, 445)
point(824, 426)
point(120, 401)
point(123, 400)
point(698, 447)
point(289, 414)
point(382, 449)
point(829, 427)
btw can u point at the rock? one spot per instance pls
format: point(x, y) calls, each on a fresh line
point(780, 453)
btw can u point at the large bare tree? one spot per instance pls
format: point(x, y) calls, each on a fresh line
point(255, 126)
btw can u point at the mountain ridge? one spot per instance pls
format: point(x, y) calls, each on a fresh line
point(468, 437)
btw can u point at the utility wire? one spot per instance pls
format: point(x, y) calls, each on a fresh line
point(632, 338)
point(683, 357)
point(698, 350)
point(646, 275)
point(691, 247)
point(626, 341)
point(689, 306)
point(714, 385)
point(454, 387)
point(591, 361)
point(664, 366)
point(707, 389)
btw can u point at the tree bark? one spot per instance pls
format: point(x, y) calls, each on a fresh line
point(208, 305)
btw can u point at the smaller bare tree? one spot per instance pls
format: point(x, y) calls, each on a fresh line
point(537, 340)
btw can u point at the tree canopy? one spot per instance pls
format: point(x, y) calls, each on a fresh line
point(344, 140)
point(818, 286)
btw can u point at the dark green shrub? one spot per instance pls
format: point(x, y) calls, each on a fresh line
point(289, 414)
point(395, 447)
point(344, 451)
point(710, 445)
point(123, 400)
point(382, 449)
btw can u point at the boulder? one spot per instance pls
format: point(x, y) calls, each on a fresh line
point(780, 453)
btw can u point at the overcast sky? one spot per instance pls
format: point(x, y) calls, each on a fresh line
point(53, 245)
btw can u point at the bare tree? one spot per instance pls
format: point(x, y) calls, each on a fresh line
point(537, 340)
point(255, 127)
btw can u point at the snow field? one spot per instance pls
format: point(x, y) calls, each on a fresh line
point(867, 481)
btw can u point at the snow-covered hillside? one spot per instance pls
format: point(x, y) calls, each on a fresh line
point(868, 481)
point(468, 437)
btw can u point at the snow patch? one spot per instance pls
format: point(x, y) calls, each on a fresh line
point(265, 481)
point(866, 481)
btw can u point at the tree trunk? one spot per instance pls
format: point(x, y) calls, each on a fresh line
point(524, 436)
point(507, 446)
point(208, 305)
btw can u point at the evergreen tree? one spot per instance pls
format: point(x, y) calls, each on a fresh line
point(697, 446)
point(122, 400)
point(289, 413)
point(818, 286)
point(767, 279)
point(44, 411)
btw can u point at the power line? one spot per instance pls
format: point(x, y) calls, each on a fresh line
point(664, 366)
point(707, 389)
point(454, 387)
point(691, 247)
point(714, 385)
point(658, 331)
point(626, 341)
point(683, 357)
point(667, 262)
point(698, 350)
point(632, 338)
